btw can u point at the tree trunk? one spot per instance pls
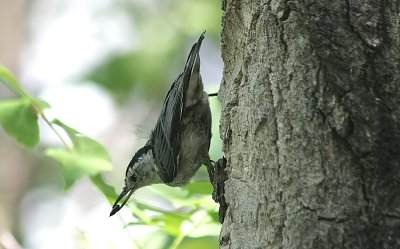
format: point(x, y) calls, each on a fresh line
point(311, 123)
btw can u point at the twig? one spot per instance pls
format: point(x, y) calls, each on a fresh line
point(55, 131)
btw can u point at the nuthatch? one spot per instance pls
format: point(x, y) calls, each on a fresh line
point(179, 143)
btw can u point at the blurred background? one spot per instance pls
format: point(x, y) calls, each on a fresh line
point(105, 67)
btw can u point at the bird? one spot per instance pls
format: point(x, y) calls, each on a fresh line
point(180, 141)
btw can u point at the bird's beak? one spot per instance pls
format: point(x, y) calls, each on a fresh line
point(117, 207)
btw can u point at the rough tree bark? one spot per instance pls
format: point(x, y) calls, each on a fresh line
point(311, 123)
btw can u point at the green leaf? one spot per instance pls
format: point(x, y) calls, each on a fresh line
point(214, 216)
point(198, 188)
point(146, 207)
point(8, 78)
point(40, 104)
point(19, 120)
point(170, 223)
point(83, 144)
point(87, 158)
point(19, 116)
point(105, 188)
point(168, 192)
point(77, 165)
point(209, 229)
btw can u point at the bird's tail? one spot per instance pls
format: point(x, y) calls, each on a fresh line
point(192, 82)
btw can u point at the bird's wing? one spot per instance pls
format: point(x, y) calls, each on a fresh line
point(166, 136)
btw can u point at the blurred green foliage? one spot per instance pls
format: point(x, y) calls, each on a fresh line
point(85, 157)
point(164, 33)
point(19, 119)
point(19, 115)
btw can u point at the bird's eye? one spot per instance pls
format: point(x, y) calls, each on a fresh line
point(133, 178)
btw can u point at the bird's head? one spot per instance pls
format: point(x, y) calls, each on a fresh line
point(140, 172)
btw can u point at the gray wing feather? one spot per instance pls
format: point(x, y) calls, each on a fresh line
point(166, 136)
